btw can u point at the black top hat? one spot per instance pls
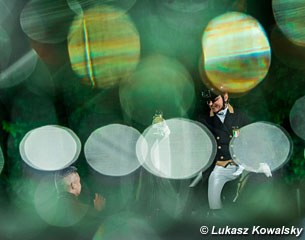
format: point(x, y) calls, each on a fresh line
point(209, 95)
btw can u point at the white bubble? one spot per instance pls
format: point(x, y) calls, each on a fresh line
point(50, 148)
point(259, 143)
point(111, 150)
point(188, 148)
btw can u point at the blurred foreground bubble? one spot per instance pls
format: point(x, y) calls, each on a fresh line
point(289, 16)
point(158, 83)
point(5, 49)
point(111, 150)
point(40, 83)
point(125, 226)
point(297, 117)
point(50, 148)
point(188, 148)
point(78, 6)
point(261, 142)
point(104, 46)
point(57, 209)
point(259, 203)
point(189, 6)
point(172, 197)
point(20, 224)
point(1, 160)
point(236, 53)
point(6, 9)
point(18, 71)
point(46, 21)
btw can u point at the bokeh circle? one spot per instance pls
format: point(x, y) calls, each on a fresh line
point(50, 148)
point(159, 83)
point(236, 53)
point(111, 150)
point(104, 46)
point(297, 117)
point(188, 148)
point(261, 142)
point(289, 16)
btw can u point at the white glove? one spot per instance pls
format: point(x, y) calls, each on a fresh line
point(264, 168)
point(239, 170)
point(161, 129)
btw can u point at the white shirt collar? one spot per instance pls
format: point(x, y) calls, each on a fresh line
point(222, 114)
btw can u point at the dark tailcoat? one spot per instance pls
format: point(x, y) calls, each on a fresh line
point(223, 132)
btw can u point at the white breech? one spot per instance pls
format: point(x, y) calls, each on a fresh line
point(217, 180)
